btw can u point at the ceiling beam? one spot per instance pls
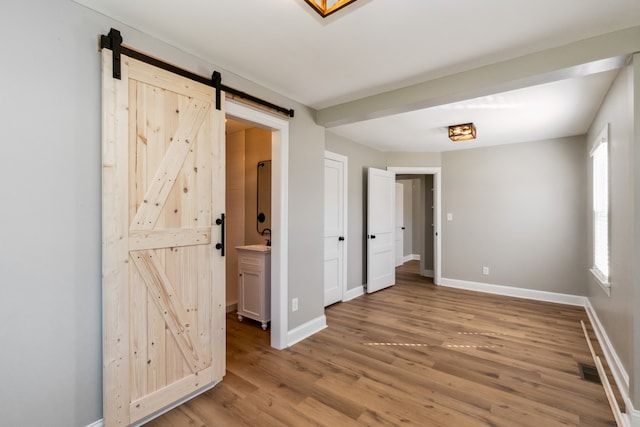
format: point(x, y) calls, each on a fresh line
point(589, 56)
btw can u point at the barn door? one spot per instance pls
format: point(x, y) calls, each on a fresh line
point(163, 278)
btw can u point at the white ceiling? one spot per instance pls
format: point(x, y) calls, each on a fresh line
point(373, 46)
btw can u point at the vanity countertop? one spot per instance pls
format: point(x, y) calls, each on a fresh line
point(257, 248)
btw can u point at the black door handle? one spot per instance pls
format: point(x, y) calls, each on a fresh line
point(403, 228)
point(373, 236)
point(220, 246)
point(340, 238)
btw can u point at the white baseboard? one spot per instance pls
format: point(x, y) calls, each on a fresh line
point(99, 423)
point(632, 416)
point(411, 257)
point(515, 292)
point(353, 293)
point(618, 371)
point(306, 330)
point(232, 307)
point(427, 273)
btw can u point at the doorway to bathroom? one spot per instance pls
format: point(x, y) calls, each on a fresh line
point(256, 206)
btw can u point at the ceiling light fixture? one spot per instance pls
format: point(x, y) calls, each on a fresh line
point(327, 7)
point(462, 132)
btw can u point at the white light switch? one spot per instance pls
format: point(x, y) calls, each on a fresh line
point(449, 216)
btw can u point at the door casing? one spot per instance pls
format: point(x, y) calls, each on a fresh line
point(437, 210)
point(279, 213)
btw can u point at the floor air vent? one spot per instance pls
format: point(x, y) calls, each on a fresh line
point(589, 373)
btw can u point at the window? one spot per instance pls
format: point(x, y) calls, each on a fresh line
point(600, 162)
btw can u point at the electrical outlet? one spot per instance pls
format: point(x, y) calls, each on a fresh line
point(449, 216)
point(485, 271)
point(294, 304)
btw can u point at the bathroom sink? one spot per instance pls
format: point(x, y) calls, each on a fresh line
point(257, 248)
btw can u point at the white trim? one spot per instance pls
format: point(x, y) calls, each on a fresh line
point(279, 213)
point(427, 273)
point(618, 371)
point(353, 293)
point(345, 212)
point(306, 330)
point(601, 280)
point(232, 307)
point(631, 417)
point(515, 292)
point(411, 257)
point(437, 185)
point(602, 138)
point(99, 423)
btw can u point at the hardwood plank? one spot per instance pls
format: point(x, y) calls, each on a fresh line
point(515, 364)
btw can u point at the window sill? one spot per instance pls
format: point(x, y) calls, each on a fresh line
point(602, 281)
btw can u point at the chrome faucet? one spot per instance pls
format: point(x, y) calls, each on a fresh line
point(263, 232)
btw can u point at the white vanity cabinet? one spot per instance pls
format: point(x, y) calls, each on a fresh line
point(254, 283)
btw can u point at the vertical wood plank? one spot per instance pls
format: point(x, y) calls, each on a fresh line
point(217, 262)
point(115, 238)
point(138, 335)
point(170, 217)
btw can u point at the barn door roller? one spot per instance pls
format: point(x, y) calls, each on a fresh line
point(113, 41)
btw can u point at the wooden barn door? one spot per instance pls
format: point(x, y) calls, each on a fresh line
point(163, 278)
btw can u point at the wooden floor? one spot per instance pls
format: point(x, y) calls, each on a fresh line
point(414, 354)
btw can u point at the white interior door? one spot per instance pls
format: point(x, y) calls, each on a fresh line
point(381, 202)
point(399, 224)
point(334, 228)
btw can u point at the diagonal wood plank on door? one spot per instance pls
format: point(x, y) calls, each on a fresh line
point(165, 176)
point(171, 309)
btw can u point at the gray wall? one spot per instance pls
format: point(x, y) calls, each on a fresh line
point(416, 191)
point(50, 298)
point(360, 159)
point(520, 210)
point(407, 215)
point(616, 312)
point(429, 223)
point(404, 158)
point(257, 149)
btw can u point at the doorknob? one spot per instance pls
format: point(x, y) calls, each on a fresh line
point(340, 238)
point(373, 236)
